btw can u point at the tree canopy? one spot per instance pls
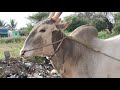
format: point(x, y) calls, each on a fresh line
point(38, 17)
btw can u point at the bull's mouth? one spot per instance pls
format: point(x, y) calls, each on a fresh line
point(29, 54)
point(26, 54)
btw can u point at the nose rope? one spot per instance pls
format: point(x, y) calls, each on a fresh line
point(61, 40)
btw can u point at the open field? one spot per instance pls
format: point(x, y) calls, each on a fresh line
point(13, 48)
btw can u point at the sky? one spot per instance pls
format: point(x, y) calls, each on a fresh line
point(20, 17)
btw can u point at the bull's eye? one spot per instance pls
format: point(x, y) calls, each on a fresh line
point(42, 30)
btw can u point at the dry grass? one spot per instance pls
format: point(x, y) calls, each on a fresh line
point(13, 48)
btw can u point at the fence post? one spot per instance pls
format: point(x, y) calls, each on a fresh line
point(7, 55)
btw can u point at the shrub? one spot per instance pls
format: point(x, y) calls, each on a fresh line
point(117, 17)
point(12, 40)
point(117, 27)
point(99, 24)
point(105, 35)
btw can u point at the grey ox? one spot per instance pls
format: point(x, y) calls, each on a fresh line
point(73, 59)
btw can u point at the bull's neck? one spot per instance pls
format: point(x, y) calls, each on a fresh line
point(58, 58)
point(65, 54)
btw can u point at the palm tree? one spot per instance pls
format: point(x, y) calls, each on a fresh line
point(12, 24)
point(2, 23)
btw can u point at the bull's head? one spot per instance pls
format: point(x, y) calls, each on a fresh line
point(41, 35)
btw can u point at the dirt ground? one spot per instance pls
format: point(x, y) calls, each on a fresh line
point(19, 68)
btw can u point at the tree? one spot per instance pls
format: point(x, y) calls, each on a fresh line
point(116, 17)
point(35, 18)
point(24, 31)
point(96, 16)
point(75, 22)
point(87, 15)
point(2, 23)
point(117, 23)
point(12, 24)
point(100, 24)
point(106, 18)
point(29, 27)
point(38, 17)
point(109, 24)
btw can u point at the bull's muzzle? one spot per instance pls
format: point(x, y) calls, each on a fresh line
point(22, 53)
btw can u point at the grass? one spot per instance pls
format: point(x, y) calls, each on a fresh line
point(13, 48)
point(105, 35)
point(13, 45)
point(12, 40)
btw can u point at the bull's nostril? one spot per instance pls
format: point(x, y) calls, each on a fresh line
point(22, 53)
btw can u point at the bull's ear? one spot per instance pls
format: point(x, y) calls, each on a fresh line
point(63, 26)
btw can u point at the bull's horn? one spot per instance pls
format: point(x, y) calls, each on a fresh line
point(56, 16)
point(51, 14)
